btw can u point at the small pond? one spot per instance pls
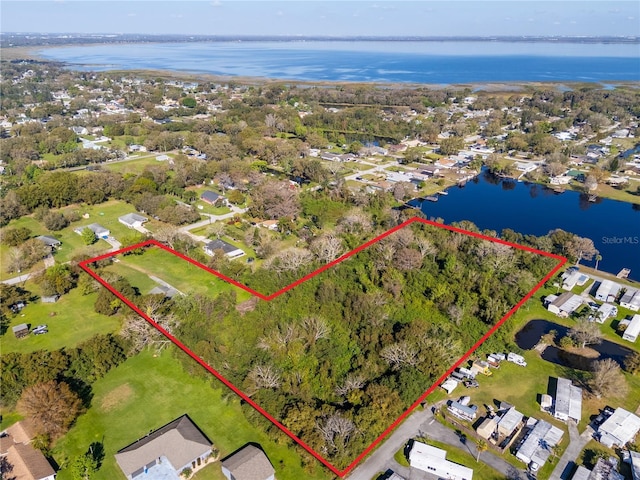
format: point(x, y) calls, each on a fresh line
point(530, 334)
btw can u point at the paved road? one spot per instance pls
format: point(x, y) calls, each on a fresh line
point(576, 443)
point(422, 423)
point(20, 279)
point(208, 221)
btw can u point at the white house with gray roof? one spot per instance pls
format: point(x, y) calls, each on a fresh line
point(132, 220)
point(568, 401)
point(165, 452)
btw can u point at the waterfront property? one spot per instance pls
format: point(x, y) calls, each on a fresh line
point(165, 452)
point(434, 460)
point(633, 329)
point(619, 429)
point(607, 291)
point(563, 305)
point(536, 448)
point(568, 401)
point(631, 299)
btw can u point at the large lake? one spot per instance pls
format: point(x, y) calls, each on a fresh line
point(430, 62)
point(496, 204)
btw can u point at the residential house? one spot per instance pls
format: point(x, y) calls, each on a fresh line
point(526, 167)
point(96, 228)
point(431, 171)
point(212, 198)
point(132, 220)
point(607, 291)
point(633, 329)
point(573, 277)
point(24, 461)
point(165, 452)
point(487, 428)
point(509, 422)
point(605, 311)
point(619, 429)
point(560, 180)
point(568, 401)
point(604, 469)
point(464, 412)
point(248, 463)
point(631, 299)
point(270, 225)
point(536, 448)
point(21, 330)
point(49, 241)
point(229, 250)
point(434, 460)
point(563, 305)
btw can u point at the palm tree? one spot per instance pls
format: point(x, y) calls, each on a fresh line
point(481, 446)
point(598, 258)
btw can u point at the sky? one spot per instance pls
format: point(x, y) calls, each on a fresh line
point(328, 17)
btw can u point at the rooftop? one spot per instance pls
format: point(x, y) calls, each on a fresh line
point(249, 463)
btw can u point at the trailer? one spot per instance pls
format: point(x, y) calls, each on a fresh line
point(517, 359)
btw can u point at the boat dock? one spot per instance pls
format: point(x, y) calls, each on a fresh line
point(624, 273)
point(431, 198)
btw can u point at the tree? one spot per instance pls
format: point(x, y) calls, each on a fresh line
point(189, 102)
point(52, 406)
point(581, 248)
point(598, 258)
point(607, 379)
point(632, 363)
point(590, 183)
point(14, 236)
point(481, 446)
point(84, 466)
point(585, 332)
point(328, 247)
point(89, 237)
point(54, 221)
point(451, 145)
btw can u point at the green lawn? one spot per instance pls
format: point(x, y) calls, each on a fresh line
point(481, 471)
point(71, 320)
point(178, 273)
point(132, 166)
point(147, 392)
point(106, 214)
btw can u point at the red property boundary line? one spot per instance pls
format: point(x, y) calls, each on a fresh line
point(340, 473)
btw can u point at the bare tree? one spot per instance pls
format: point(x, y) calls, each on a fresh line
point(141, 334)
point(607, 379)
point(264, 376)
point(352, 382)
point(355, 221)
point(336, 427)
point(586, 332)
point(216, 229)
point(456, 313)
point(407, 259)
point(327, 247)
point(316, 328)
point(397, 355)
point(288, 260)
point(425, 247)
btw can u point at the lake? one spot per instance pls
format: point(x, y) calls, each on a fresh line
point(443, 62)
point(495, 204)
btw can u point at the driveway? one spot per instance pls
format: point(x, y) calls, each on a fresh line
point(422, 424)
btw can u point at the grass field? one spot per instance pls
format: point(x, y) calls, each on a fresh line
point(106, 214)
point(147, 392)
point(179, 273)
point(481, 471)
point(71, 320)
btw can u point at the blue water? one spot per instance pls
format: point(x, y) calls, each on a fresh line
point(494, 204)
point(411, 62)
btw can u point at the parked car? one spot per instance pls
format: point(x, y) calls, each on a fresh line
point(40, 332)
point(471, 384)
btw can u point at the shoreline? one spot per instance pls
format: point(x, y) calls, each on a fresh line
point(32, 53)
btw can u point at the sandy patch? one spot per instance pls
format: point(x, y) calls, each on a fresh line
point(116, 397)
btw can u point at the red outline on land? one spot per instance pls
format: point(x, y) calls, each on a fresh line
point(340, 473)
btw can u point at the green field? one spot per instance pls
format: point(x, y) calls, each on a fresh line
point(71, 320)
point(136, 166)
point(179, 273)
point(147, 392)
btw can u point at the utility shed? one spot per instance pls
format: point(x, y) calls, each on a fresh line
point(537, 446)
point(568, 401)
point(619, 429)
point(434, 460)
point(581, 473)
point(509, 422)
point(21, 330)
